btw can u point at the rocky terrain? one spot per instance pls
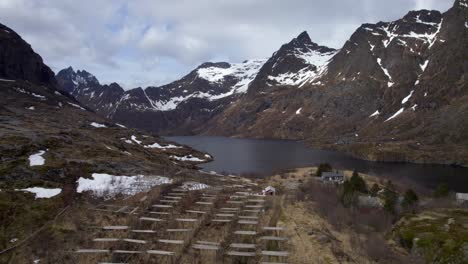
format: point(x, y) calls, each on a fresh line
point(396, 91)
point(49, 143)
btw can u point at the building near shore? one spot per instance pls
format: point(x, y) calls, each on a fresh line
point(462, 198)
point(333, 177)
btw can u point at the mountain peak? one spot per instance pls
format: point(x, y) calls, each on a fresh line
point(304, 37)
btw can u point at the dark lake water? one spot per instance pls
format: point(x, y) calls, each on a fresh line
point(238, 156)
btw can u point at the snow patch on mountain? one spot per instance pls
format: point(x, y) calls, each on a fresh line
point(243, 72)
point(390, 81)
point(407, 97)
point(396, 114)
point(376, 113)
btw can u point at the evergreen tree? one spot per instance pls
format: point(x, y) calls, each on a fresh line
point(410, 198)
point(374, 190)
point(357, 183)
point(323, 167)
point(442, 190)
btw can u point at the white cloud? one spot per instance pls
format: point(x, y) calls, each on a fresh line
point(150, 42)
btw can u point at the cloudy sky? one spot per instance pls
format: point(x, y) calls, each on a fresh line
point(152, 42)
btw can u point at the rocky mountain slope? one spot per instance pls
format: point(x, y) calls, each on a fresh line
point(48, 142)
point(395, 91)
point(175, 108)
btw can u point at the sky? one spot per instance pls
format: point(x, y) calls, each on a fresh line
point(153, 42)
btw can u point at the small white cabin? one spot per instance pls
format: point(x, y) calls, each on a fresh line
point(461, 197)
point(269, 190)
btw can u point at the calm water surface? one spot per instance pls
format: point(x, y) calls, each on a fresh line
point(265, 156)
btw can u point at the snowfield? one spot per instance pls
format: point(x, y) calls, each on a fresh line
point(37, 159)
point(108, 186)
point(42, 192)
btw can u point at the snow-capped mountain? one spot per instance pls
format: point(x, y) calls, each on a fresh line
point(294, 63)
point(395, 91)
point(190, 100)
point(398, 85)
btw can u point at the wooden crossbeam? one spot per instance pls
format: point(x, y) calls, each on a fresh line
point(221, 220)
point(115, 227)
point(275, 253)
point(162, 206)
point(248, 217)
point(106, 239)
point(119, 251)
point(242, 245)
point(122, 209)
point(247, 222)
point(151, 219)
point(205, 247)
point(169, 201)
point(134, 210)
point(179, 230)
point(253, 206)
point(137, 241)
point(245, 232)
point(160, 252)
point(274, 228)
point(229, 209)
point(159, 213)
point(251, 211)
point(224, 215)
point(195, 212)
point(186, 219)
point(208, 243)
point(241, 254)
point(92, 251)
point(274, 238)
point(143, 231)
point(170, 241)
point(173, 197)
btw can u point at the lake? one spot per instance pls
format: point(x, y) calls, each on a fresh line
point(237, 156)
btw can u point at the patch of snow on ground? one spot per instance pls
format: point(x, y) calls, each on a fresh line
point(156, 145)
point(187, 158)
point(97, 125)
point(192, 186)
point(136, 140)
point(43, 192)
point(414, 107)
point(407, 97)
point(107, 186)
point(31, 108)
point(298, 111)
point(396, 114)
point(37, 159)
point(122, 126)
point(6, 80)
point(376, 113)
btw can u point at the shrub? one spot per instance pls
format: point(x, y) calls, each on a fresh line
point(442, 190)
point(323, 167)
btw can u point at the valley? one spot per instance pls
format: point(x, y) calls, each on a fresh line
point(313, 154)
